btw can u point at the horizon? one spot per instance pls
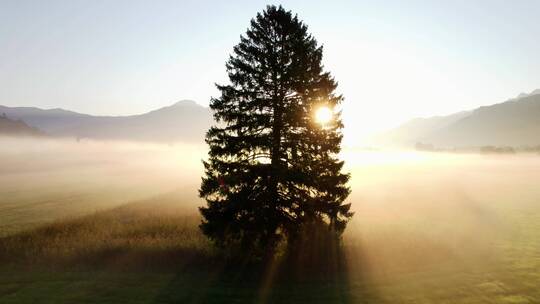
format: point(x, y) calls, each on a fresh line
point(183, 100)
point(115, 59)
point(187, 101)
point(349, 142)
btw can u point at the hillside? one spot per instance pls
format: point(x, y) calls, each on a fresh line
point(515, 122)
point(184, 121)
point(416, 129)
point(511, 123)
point(10, 127)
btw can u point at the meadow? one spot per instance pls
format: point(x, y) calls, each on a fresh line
point(94, 222)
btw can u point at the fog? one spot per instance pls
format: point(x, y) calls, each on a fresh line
point(436, 211)
point(385, 181)
point(45, 180)
point(412, 209)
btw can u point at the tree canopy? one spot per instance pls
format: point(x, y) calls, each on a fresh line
point(273, 168)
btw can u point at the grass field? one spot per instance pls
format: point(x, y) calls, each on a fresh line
point(117, 222)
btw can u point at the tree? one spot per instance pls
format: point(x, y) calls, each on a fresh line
point(273, 169)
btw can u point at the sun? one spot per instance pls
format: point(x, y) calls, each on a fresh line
point(323, 115)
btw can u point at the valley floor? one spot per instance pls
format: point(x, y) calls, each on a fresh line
point(111, 224)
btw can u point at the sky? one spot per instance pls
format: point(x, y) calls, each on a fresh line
point(393, 60)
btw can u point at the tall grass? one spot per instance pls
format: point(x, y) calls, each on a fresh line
point(153, 233)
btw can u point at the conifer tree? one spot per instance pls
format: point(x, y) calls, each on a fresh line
point(272, 168)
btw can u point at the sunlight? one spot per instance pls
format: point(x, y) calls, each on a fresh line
point(323, 115)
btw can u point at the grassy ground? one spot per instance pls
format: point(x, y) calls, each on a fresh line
point(118, 227)
point(144, 252)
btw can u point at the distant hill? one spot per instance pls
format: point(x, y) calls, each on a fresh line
point(417, 129)
point(515, 122)
point(184, 121)
point(10, 127)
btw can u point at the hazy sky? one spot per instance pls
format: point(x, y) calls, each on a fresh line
point(394, 60)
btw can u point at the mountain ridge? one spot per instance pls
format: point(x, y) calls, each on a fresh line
point(515, 122)
point(183, 121)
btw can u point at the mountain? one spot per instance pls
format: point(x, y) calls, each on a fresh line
point(10, 127)
point(184, 121)
point(522, 95)
point(515, 122)
point(416, 129)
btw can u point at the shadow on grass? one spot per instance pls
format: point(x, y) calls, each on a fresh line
point(158, 236)
point(275, 281)
point(314, 270)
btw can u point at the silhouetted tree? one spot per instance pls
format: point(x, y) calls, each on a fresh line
point(272, 169)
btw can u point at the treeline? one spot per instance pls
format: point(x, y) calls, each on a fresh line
point(489, 149)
